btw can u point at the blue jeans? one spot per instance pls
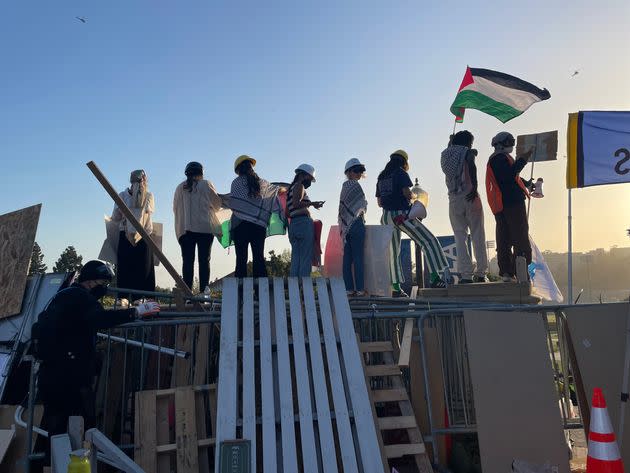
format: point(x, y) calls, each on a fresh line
point(301, 236)
point(353, 254)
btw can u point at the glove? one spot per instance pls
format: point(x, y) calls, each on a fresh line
point(399, 219)
point(472, 195)
point(148, 308)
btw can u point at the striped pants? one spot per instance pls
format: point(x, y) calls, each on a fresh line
point(433, 254)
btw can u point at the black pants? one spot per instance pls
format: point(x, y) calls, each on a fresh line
point(59, 405)
point(135, 268)
point(244, 235)
point(203, 242)
point(512, 238)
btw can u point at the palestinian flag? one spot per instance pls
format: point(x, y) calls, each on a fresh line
point(495, 93)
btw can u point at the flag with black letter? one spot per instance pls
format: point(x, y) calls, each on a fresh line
point(598, 148)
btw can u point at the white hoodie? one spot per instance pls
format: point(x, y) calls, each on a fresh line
point(195, 211)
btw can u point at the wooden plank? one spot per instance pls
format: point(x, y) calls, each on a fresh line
point(415, 437)
point(60, 450)
point(145, 431)
point(171, 391)
point(202, 431)
point(405, 346)
point(400, 422)
point(519, 345)
point(131, 218)
point(163, 431)
point(287, 416)
point(200, 368)
point(397, 451)
point(342, 418)
point(228, 366)
point(249, 379)
point(389, 395)
point(13, 459)
point(379, 434)
point(17, 234)
point(266, 379)
point(373, 347)
point(326, 438)
point(75, 431)
point(181, 366)
point(186, 431)
point(382, 370)
point(6, 437)
point(436, 390)
point(302, 380)
point(172, 447)
point(357, 389)
point(212, 405)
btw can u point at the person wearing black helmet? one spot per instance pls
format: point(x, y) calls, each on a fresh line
point(64, 338)
point(195, 205)
point(506, 192)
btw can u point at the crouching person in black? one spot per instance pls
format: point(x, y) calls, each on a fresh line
point(65, 344)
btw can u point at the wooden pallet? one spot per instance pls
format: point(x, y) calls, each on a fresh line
point(304, 405)
point(391, 393)
point(179, 443)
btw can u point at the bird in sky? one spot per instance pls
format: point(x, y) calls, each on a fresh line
point(575, 73)
point(81, 19)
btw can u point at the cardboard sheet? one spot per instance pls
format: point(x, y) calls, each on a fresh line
point(17, 236)
point(599, 340)
point(516, 403)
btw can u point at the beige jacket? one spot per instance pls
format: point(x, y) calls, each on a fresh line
point(196, 211)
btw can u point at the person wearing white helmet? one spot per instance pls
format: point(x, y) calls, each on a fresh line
point(351, 219)
point(301, 229)
point(393, 191)
point(506, 193)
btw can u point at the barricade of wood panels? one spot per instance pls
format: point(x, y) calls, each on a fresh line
point(291, 381)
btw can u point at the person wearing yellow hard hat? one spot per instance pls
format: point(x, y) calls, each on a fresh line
point(393, 192)
point(301, 229)
point(252, 201)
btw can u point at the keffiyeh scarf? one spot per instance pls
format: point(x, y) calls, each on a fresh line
point(352, 205)
point(452, 161)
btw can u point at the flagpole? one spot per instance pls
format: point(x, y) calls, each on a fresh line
point(570, 254)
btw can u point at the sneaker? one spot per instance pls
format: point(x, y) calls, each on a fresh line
point(360, 294)
point(508, 278)
point(481, 278)
point(438, 284)
point(465, 281)
point(400, 293)
point(351, 293)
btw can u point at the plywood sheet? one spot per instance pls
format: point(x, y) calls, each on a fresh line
point(515, 399)
point(17, 236)
point(599, 339)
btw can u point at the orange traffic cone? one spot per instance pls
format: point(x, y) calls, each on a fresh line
point(603, 453)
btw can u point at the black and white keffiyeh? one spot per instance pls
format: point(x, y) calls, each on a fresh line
point(452, 161)
point(352, 205)
point(257, 210)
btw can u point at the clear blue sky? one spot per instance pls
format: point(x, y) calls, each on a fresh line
point(156, 84)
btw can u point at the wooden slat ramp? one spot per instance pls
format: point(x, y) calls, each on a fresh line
point(291, 379)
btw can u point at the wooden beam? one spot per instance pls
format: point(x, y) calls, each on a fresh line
point(389, 395)
point(397, 451)
point(393, 423)
point(131, 218)
point(373, 347)
point(405, 346)
point(382, 370)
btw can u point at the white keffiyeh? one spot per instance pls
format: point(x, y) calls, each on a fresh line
point(258, 209)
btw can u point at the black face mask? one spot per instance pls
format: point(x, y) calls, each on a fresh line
point(307, 184)
point(98, 291)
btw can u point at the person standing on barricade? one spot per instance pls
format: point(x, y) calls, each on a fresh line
point(134, 261)
point(301, 228)
point(507, 192)
point(464, 206)
point(195, 205)
point(393, 191)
